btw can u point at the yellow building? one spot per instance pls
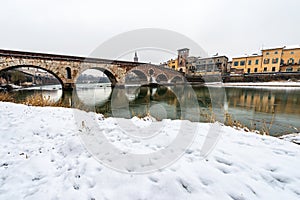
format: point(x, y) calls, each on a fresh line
point(173, 64)
point(254, 64)
point(271, 60)
point(250, 64)
point(290, 60)
point(239, 63)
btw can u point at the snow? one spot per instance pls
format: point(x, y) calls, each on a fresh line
point(43, 157)
point(295, 138)
point(289, 47)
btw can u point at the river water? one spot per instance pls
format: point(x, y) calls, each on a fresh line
point(277, 109)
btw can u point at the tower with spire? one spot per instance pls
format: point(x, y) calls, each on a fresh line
point(136, 59)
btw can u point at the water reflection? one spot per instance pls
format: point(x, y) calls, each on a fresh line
point(51, 93)
point(265, 100)
point(255, 107)
point(277, 109)
point(93, 96)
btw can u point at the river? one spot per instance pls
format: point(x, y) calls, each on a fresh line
point(277, 109)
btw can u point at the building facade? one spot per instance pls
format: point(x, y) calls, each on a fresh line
point(173, 64)
point(207, 66)
point(247, 64)
point(197, 66)
point(290, 60)
point(272, 60)
point(183, 55)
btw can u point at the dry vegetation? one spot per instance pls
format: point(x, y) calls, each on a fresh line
point(34, 100)
point(5, 96)
point(40, 100)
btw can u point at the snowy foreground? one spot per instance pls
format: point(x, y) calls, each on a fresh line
point(42, 157)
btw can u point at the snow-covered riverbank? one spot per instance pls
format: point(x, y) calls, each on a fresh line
point(42, 157)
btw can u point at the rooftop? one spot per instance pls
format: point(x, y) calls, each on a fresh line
point(292, 47)
point(271, 48)
point(183, 49)
point(248, 55)
point(282, 47)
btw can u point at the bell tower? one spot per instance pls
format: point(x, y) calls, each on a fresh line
point(183, 54)
point(135, 59)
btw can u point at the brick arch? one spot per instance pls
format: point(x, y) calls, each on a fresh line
point(140, 73)
point(176, 79)
point(109, 73)
point(14, 66)
point(161, 77)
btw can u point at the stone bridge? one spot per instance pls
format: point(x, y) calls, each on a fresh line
point(68, 68)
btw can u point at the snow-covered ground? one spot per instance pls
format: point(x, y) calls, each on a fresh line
point(42, 157)
point(295, 138)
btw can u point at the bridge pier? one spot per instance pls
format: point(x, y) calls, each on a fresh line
point(70, 98)
point(68, 86)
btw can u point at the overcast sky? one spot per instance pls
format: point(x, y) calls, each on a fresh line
point(77, 27)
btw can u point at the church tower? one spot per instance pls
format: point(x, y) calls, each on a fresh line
point(136, 59)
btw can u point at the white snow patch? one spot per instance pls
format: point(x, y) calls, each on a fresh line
point(42, 157)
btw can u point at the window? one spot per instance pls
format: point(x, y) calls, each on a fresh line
point(273, 69)
point(266, 61)
point(68, 73)
point(242, 63)
point(289, 69)
point(249, 70)
point(275, 60)
point(236, 63)
point(249, 62)
point(276, 52)
point(256, 61)
point(267, 53)
point(291, 61)
point(255, 69)
point(292, 52)
point(265, 69)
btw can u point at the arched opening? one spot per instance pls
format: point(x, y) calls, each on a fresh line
point(93, 87)
point(161, 78)
point(136, 77)
point(96, 75)
point(69, 75)
point(177, 79)
point(30, 80)
point(35, 72)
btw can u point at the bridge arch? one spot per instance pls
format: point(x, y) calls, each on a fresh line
point(177, 79)
point(161, 78)
point(142, 77)
point(56, 75)
point(110, 75)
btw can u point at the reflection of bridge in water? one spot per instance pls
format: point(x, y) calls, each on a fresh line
point(135, 100)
